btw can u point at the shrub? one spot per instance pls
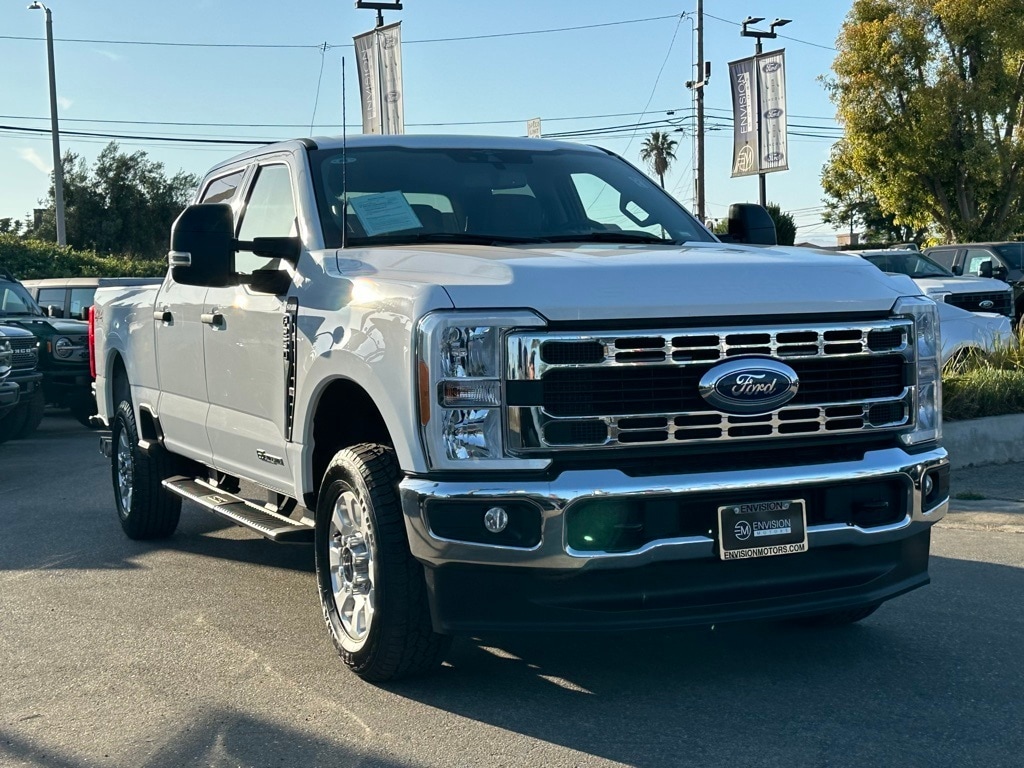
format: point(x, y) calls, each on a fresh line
point(35, 259)
point(984, 385)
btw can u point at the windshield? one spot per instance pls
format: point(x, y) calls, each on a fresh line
point(1012, 254)
point(399, 195)
point(905, 263)
point(15, 300)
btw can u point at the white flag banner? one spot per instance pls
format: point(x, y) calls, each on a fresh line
point(379, 60)
point(389, 44)
point(369, 80)
point(771, 74)
point(745, 135)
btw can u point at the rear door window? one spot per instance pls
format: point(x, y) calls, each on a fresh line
point(52, 297)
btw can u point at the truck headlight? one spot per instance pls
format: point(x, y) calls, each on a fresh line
point(459, 367)
point(927, 356)
point(63, 347)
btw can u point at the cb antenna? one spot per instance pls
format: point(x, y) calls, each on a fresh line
point(344, 160)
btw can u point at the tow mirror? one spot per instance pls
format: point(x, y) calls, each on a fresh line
point(985, 269)
point(751, 223)
point(202, 251)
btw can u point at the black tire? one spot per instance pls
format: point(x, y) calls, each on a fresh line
point(838, 618)
point(82, 408)
point(372, 590)
point(146, 510)
point(33, 414)
point(11, 423)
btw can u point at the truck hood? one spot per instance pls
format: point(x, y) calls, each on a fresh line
point(55, 325)
point(615, 282)
point(936, 286)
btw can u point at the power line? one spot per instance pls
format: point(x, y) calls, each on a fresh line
point(328, 46)
point(192, 123)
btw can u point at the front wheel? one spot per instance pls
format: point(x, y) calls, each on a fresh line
point(34, 410)
point(372, 590)
point(82, 408)
point(145, 508)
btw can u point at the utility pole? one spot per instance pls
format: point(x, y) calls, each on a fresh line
point(758, 35)
point(58, 168)
point(697, 86)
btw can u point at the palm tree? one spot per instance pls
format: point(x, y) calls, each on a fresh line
point(658, 152)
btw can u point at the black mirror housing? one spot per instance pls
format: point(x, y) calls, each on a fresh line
point(752, 224)
point(985, 269)
point(202, 246)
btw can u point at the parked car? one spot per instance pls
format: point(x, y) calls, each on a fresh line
point(511, 384)
point(1002, 261)
point(63, 349)
point(23, 419)
point(966, 333)
point(72, 296)
point(974, 294)
point(9, 392)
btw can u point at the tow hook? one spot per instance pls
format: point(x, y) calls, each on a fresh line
point(106, 445)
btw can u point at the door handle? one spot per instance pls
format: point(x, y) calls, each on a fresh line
point(163, 315)
point(215, 318)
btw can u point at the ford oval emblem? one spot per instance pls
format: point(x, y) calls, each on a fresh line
point(772, 66)
point(773, 113)
point(774, 157)
point(749, 385)
point(986, 304)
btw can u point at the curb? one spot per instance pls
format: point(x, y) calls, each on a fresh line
point(990, 440)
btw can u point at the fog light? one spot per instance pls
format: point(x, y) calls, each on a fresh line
point(495, 519)
point(928, 485)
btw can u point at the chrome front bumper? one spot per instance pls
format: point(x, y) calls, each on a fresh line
point(555, 497)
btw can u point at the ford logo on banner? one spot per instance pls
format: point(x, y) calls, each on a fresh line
point(749, 385)
point(773, 113)
point(772, 66)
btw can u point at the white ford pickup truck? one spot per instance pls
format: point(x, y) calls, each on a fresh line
point(510, 384)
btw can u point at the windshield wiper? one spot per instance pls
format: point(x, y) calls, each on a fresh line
point(463, 238)
point(614, 237)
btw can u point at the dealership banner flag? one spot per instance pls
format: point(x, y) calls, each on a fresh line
point(745, 142)
point(771, 77)
point(379, 60)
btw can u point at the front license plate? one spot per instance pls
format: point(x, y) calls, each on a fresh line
point(762, 529)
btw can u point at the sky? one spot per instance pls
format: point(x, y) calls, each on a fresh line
point(228, 70)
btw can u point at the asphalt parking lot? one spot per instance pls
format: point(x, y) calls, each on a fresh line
point(208, 649)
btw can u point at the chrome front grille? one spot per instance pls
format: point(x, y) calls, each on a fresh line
point(600, 390)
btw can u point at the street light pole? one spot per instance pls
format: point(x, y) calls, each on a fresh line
point(58, 169)
point(758, 35)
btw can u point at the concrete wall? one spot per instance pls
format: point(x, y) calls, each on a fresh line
point(992, 440)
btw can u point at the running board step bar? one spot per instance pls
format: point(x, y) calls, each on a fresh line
point(240, 511)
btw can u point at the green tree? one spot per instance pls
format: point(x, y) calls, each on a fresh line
point(851, 203)
point(124, 204)
point(659, 151)
point(785, 226)
point(930, 93)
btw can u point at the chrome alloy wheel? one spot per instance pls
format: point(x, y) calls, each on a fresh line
point(125, 471)
point(350, 551)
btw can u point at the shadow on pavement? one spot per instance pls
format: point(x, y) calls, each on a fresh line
point(908, 686)
point(220, 737)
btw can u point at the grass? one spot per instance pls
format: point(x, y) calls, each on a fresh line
point(984, 385)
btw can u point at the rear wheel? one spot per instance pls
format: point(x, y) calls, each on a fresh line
point(146, 510)
point(372, 591)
